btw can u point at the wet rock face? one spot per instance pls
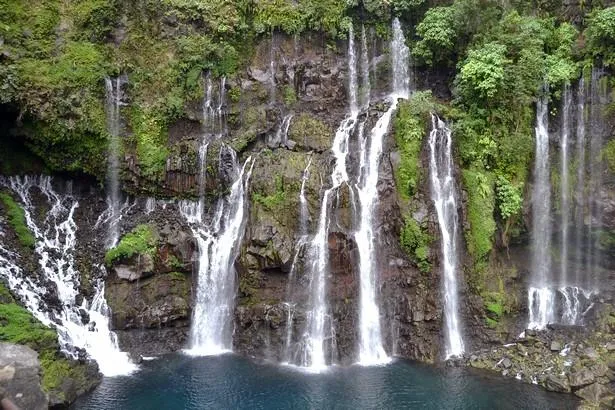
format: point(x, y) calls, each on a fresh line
point(410, 309)
point(19, 377)
point(150, 296)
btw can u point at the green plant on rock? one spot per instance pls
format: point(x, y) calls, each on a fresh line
point(497, 303)
point(306, 127)
point(19, 326)
point(481, 205)
point(509, 198)
point(17, 220)
point(608, 153)
point(274, 200)
point(141, 240)
point(415, 240)
point(149, 131)
point(409, 129)
point(290, 95)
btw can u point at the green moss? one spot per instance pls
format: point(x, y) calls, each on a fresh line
point(19, 326)
point(409, 130)
point(305, 127)
point(174, 262)
point(234, 94)
point(150, 134)
point(415, 240)
point(17, 220)
point(141, 240)
point(481, 204)
point(491, 322)
point(608, 153)
point(275, 200)
point(57, 369)
point(290, 96)
point(178, 276)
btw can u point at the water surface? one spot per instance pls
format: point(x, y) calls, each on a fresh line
point(233, 382)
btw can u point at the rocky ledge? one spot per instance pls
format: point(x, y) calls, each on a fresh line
point(560, 358)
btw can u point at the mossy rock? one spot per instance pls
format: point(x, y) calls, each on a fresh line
point(64, 379)
point(17, 220)
point(310, 133)
point(151, 302)
point(141, 240)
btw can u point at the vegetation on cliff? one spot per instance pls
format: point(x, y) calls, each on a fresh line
point(17, 325)
point(141, 240)
point(17, 220)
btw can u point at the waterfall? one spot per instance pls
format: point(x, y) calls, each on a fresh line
point(214, 121)
point(565, 298)
point(281, 136)
point(565, 184)
point(443, 195)
point(303, 236)
point(569, 290)
point(598, 94)
point(218, 240)
point(371, 350)
point(272, 72)
point(580, 196)
point(312, 350)
point(365, 83)
point(113, 102)
point(400, 61)
point(540, 295)
point(303, 205)
point(79, 326)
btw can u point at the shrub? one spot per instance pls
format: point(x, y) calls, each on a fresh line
point(141, 240)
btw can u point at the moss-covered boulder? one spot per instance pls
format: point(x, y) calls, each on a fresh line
point(150, 289)
point(63, 379)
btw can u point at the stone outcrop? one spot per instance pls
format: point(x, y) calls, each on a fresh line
point(150, 294)
point(20, 379)
point(584, 365)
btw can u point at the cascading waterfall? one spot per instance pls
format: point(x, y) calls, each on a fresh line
point(371, 350)
point(303, 236)
point(55, 248)
point(400, 54)
point(113, 87)
point(598, 94)
point(564, 298)
point(272, 84)
point(565, 185)
point(312, 350)
point(444, 197)
point(214, 121)
point(580, 196)
point(569, 290)
point(540, 295)
point(365, 83)
point(217, 240)
point(281, 136)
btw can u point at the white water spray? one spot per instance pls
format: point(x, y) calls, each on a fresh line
point(55, 248)
point(371, 350)
point(565, 184)
point(218, 241)
point(113, 102)
point(444, 198)
point(312, 349)
point(540, 295)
